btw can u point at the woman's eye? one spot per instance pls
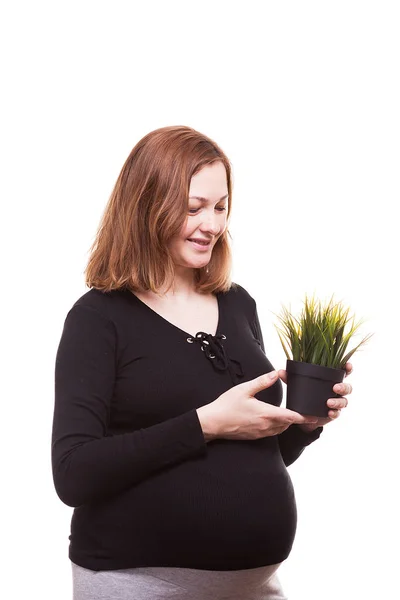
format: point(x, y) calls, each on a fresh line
point(219, 208)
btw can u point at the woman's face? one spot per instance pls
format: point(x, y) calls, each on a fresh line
point(206, 219)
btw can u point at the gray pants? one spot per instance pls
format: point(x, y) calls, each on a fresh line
point(162, 583)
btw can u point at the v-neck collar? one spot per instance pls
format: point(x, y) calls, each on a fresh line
point(218, 296)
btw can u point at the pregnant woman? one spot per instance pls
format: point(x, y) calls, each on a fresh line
point(168, 436)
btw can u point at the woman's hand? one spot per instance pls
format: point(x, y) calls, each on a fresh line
point(238, 415)
point(335, 404)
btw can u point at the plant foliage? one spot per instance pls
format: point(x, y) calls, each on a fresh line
point(320, 335)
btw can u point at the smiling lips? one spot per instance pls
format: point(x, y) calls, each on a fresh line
point(200, 244)
point(199, 241)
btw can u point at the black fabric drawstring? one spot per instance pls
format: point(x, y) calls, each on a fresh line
point(215, 352)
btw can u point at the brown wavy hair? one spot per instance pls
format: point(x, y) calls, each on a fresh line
point(147, 207)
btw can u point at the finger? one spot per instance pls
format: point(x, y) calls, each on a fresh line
point(337, 402)
point(349, 368)
point(259, 383)
point(311, 418)
point(301, 419)
point(285, 416)
point(334, 414)
point(343, 388)
point(282, 375)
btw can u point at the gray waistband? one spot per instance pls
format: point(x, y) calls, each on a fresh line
point(160, 583)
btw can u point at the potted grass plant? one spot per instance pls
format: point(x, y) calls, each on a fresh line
point(316, 347)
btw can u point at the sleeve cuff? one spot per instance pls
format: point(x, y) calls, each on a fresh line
point(305, 437)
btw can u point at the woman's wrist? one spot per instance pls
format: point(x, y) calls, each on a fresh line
point(206, 423)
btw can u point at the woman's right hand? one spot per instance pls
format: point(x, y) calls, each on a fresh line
point(237, 415)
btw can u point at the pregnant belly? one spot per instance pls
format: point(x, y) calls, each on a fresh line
point(235, 507)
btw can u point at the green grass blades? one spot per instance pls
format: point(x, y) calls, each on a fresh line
point(320, 334)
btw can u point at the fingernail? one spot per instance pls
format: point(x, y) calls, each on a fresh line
point(272, 374)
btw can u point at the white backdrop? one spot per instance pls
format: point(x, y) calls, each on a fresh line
point(304, 98)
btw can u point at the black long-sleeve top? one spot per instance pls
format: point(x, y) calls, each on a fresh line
point(129, 454)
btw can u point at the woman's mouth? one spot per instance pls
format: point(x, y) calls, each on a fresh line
point(200, 244)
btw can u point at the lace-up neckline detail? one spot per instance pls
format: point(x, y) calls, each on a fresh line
point(214, 351)
point(211, 345)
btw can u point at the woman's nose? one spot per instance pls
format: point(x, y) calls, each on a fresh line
point(211, 225)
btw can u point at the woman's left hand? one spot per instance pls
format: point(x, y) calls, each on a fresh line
point(335, 404)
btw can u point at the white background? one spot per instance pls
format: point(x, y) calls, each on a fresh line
point(304, 98)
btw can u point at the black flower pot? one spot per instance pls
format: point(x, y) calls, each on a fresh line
point(309, 386)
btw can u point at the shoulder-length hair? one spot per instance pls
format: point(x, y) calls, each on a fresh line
point(147, 207)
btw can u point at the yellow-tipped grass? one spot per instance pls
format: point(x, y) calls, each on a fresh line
point(320, 335)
